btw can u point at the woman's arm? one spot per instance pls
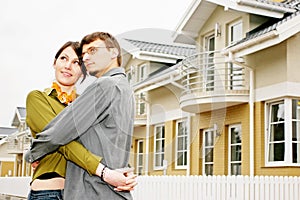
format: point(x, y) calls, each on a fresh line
point(39, 112)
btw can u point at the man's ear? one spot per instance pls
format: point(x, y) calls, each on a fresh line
point(114, 52)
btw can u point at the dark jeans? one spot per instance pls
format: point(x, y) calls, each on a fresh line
point(46, 195)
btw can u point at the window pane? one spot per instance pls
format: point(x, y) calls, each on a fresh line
point(209, 155)
point(180, 143)
point(208, 169)
point(140, 147)
point(296, 131)
point(158, 146)
point(276, 152)
point(296, 153)
point(236, 153)
point(277, 132)
point(180, 128)
point(140, 160)
point(158, 160)
point(209, 139)
point(185, 158)
point(277, 112)
point(296, 109)
point(235, 135)
point(236, 169)
point(180, 158)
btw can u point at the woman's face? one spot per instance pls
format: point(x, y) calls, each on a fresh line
point(67, 67)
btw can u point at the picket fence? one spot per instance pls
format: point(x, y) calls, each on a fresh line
point(190, 188)
point(217, 188)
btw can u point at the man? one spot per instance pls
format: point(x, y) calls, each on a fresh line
point(101, 119)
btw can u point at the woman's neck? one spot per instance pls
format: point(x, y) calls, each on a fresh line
point(66, 88)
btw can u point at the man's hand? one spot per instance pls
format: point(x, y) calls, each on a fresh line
point(122, 179)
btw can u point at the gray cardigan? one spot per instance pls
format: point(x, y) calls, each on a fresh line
point(102, 119)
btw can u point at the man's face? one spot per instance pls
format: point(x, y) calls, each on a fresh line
point(96, 57)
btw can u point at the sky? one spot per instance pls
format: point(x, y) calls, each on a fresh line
point(31, 32)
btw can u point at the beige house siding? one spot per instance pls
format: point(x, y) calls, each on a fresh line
point(6, 168)
point(293, 53)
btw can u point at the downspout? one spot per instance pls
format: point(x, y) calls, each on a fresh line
point(147, 138)
point(251, 125)
point(188, 170)
point(251, 113)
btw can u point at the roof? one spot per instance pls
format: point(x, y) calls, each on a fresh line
point(169, 49)
point(6, 131)
point(200, 11)
point(267, 27)
point(19, 117)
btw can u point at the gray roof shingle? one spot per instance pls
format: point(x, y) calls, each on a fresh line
point(266, 27)
point(5, 131)
point(163, 48)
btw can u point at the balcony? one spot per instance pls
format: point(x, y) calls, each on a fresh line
point(212, 82)
point(17, 144)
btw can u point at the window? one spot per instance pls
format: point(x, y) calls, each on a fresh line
point(181, 144)
point(235, 71)
point(143, 72)
point(129, 77)
point(141, 104)
point(209, 71)
point(140, 157)
point(235, 149)
point(208, 151)
point(283, 133)
point(159, 146)
point(235, 32)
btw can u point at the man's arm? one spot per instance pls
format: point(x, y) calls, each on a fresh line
point(72, 122)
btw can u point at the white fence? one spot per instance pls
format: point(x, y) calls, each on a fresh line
point(192, 187)
point(217, 188)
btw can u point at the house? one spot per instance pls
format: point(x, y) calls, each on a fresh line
point(231, 108)
point(13, 146)
point(6, 160)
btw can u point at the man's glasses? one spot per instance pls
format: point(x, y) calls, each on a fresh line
point(93, 50)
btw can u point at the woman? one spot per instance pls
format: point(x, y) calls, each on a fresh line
point(42, 107)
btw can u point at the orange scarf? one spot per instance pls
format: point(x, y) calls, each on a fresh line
point(63, 96)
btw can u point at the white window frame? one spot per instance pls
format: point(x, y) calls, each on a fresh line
point(230, 32)
point(140, 153)
point(235, 79)
point(161, 141)
point(184, 151)
point(143, 72)
point(209, 69)
point(129, 77)
point(288, 133)
point(141, 102)
point(204, 163)
point(230, 162)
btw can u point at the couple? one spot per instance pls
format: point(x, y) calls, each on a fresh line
point(100, 119)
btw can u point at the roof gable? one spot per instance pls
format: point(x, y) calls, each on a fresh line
point(19, 117)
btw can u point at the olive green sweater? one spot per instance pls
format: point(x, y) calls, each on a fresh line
point(41, 108)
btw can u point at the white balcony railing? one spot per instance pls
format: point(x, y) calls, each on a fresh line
point(18, 144)
point(209, 75)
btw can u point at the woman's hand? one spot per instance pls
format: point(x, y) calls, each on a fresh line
point(35, 164)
